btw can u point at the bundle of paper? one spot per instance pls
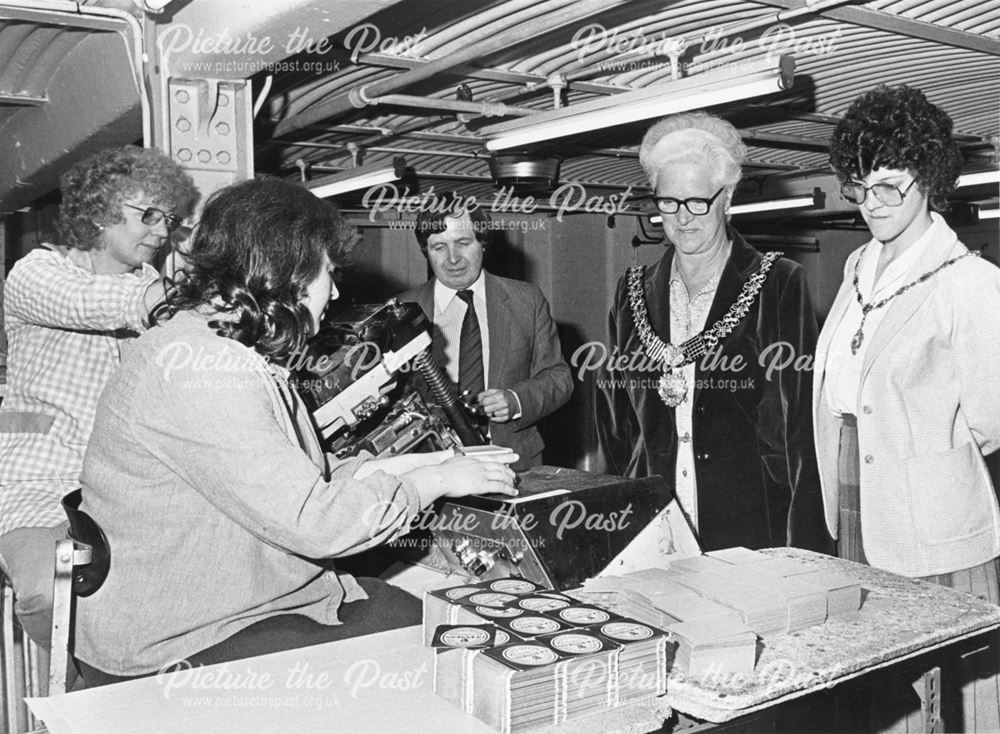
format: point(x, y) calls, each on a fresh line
point(515, 687)
point(589, 674)
point(805, 603)
point(675, 601)
point(711, 647)
point(759, 608)
point(643, 660)
point(457, 646)
point(843, 594)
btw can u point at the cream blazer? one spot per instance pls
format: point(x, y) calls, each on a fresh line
point(929, 400)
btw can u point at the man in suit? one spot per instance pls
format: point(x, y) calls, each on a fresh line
point(501, 349)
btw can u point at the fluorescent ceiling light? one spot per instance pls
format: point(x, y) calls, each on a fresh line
point(989, 214)
point(982, 177)
point(361, 177)
point(701, 90)
point(793, 202)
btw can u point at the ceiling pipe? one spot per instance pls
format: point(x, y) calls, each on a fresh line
point(502, 41)
point(485, 108)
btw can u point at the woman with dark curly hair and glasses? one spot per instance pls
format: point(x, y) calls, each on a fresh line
point(205, 472)
point(68, 311)
point(906, 395)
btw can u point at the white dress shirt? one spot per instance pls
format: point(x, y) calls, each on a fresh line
point(449, 312)
point(843, 369)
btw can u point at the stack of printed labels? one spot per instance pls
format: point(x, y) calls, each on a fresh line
point(842, 593)
point(517, 656)
point(716, 605)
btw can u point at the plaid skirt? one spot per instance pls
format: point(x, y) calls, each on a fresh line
point(982, 580)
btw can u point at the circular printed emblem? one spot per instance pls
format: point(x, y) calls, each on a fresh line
point(461, 591)
point(497, 612)
point(502, 638)
point(575, 644)
point(627, 631)
point(583, 615)
point(491, 599)
point(512, 586)
point(542, 605)
point(529, 655)
point(465, 637)
point(534, 625)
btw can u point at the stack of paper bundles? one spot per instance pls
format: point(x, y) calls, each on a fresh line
point(805, 603)
point(441, 606)
point(710, 647)
point(516, 686)
point(455, 647)
point(762, 611)
point(843, 594)
point(461, 604)
point(644, 660)
point(587, 678)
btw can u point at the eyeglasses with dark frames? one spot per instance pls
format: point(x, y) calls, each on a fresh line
point(151, 216)
point(697, 205)
point(890, 195)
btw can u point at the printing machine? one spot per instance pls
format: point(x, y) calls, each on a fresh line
point(371, 384)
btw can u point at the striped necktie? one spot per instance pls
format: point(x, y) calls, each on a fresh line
point(470, 351)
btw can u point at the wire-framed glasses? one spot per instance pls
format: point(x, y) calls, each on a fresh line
point(695, 204)
point(151, 216)
point(856, 192)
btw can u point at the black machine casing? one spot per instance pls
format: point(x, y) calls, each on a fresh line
point(566, 526)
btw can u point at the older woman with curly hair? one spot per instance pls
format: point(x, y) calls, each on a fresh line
point(906, 398)
point(206, 473)
point(68, 310)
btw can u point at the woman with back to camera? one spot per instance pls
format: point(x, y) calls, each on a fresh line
point(906, 398)
point(206, 474)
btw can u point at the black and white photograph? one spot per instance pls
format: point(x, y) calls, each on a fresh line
point(513, 366)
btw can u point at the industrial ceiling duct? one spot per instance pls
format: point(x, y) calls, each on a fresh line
point(525, 172)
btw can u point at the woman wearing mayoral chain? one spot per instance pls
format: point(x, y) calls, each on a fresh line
point(907, 390)
point(725, 416)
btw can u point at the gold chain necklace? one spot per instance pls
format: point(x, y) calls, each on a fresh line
point(673, 384)
point(866, 308)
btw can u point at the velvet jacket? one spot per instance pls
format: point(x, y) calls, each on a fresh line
point(525, 356)
point(757, 481)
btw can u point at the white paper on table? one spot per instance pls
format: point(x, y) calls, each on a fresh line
point(380, 682)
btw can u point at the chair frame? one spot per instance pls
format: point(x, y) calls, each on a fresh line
point(23, 670)
point(25, 664)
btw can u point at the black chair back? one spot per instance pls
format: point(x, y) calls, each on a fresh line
point(87, 578)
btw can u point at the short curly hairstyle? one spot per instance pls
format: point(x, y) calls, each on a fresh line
point(259, 245)
point(898, 128)
point(722, 148)
point(94, 189)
